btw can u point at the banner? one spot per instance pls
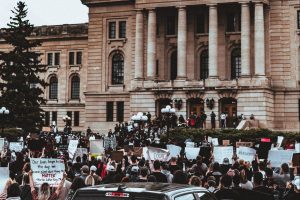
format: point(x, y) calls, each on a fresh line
point(47, 170)
point(80, 151)
point(72, 148)
point(191, 152)
point(96, 147)
point(246, 153)
point(16, 146)
point(223, 152)
point(157, 154)
point(1, 146)
point(174, 150)
point(278, 157)
point(4, 175)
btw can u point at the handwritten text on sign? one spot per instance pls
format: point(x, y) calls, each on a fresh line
point(47, 170)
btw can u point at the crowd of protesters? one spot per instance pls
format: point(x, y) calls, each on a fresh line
point(226, 181)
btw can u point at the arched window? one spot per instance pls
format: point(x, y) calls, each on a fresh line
point(117, 69)
point(204, 65)
point(53, 85)
point(173, 66)
point(235, 63)
point(75, 87)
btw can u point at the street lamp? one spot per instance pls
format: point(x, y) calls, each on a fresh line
point(168, 112)
point(3, 111)
point(66, 119)
point(139, 118)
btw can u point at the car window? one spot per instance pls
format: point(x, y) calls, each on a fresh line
point(104, 196)
point(185, 197)
point(204, 196)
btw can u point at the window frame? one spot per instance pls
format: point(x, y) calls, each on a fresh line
point(173, 26)
point(203, 17)
point(54, 117)
point(55, 58)
point(75, 95)
point(236, 26)
point(111, 34)
point(76, 121)
point(204, 74)
point(122, 32)
point(116, 73)
point(120, 111)
point(117, 33)
point(298, 19)
point(53, 95)
point(235, 72)
point(109, 111)
point(75, 57)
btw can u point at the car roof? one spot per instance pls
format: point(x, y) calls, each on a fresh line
point(148, 187)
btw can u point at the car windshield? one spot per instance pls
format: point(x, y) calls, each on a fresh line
point(116, 196)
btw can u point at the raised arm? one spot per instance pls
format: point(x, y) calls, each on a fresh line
point(61, 184)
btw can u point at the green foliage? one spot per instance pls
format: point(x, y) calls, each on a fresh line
point(21, 87)
point(252, 135)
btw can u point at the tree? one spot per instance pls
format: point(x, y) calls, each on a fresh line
point(21, 86)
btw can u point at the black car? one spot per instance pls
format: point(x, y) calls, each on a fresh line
point(143, 191)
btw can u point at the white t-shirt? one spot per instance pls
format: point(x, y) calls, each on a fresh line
point(223, 116)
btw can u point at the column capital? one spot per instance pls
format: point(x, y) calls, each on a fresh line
point(181, 7)
point(212, 5)
point(244, 3)
point(151, 9)
point(138, 10)
point(258, 2)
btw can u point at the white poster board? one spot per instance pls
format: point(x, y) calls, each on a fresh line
point(174, 150)
point(191, 152)
point(278, 157)
point(1, 145)
point(47, 170)
point(190, 144)
point(80, 151)
point(4, 175)
point(16, 146)
point(246, 153)
point(215, 141)
point(72, 148)
point(157, 154)
point(279, 140)
point(297, 147)
point(96, 147)
point(223, 152)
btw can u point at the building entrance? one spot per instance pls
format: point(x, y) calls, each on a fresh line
point(195, 105)
point(229, 107)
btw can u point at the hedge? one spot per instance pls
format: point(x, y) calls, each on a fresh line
point(253, 135)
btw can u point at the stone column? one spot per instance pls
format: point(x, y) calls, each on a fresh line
point(181, 43)
point(139, 40)
point(151, 47)
point(245, 39)
point(259, 38)
point(213, 41)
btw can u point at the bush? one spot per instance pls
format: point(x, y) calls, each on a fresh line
point(253, 135)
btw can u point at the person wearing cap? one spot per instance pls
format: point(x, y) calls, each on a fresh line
point(211, 184)
point(84, 172)
point(134, 174)
point(97, 178)
point(110, 174)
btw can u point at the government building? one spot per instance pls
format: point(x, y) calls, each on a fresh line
point(226, 56)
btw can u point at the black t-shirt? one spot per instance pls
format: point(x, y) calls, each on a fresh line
point(160, 177)
point(173, 168)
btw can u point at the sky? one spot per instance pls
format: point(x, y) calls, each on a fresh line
point(47, 12)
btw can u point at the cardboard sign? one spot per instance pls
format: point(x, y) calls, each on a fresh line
point(277, 157)
point(117, 155)
point(1, 146)
point(96, 147)
point(191, 152)
point(16, 146)
point(296, 160)
point(4, 175)
point(226, 142)
point(246, 153)
point(157, 154)
point(80, 151)
point(174, 150)
point(47, 170)
point(137, 151)
point(215, 141)
point(243, 144)
point(72, 148)
point(46, 129)
point(223, 152)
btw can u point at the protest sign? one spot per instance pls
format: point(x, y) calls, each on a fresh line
point(157, 154)
point(110, 142)
point(72, 148)
point(174, 150)
point(117, 155)
point(215, 141)
point(4, 175)
point(297, 147)
point(96, 147)
point(277, 157)
point(246, 153)
point(80, 152)
point(46, 129)
point(47, 170)
point(16, 146)
point(223, 152)
point(296, 160)
point(127, 148)
point(263, 150)
point(190, 144)
point(145, 153)
point(243, 144)
point(1, 145)
point(191, 152)
point(137, 151)
point(209, 139)
point(279, 140)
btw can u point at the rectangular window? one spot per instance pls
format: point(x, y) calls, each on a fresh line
point(71, 58)
point(112, 30)
point(109, 111)
point(49, 59)
point(120, 111)
point(122, 29)
point(78, 57)
point(298, 18)
point(47, 119)
point(76, 118)
point(157, 68)
point(171, 25)
point(69, 113)
point(57, 58)
point(200, 26)
point(54, 117)
point(233, 22)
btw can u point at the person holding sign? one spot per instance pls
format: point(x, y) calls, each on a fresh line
point(44, 190)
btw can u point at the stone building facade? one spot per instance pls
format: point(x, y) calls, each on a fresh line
point(232, 56)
